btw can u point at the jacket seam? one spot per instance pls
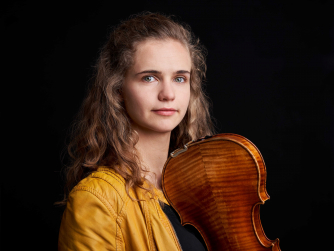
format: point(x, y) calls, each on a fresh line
point(112, 174)
point(104, 201)
point(149, 226)
point(101, 178)
point(119, 236)
point(168, 225)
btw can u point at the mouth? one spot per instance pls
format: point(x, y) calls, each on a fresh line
point(165, 111)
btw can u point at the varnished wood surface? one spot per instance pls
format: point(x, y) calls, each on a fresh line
point(217, 186)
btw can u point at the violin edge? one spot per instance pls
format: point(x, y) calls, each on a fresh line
point(262, 192)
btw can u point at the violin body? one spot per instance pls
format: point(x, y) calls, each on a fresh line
point(217, 184)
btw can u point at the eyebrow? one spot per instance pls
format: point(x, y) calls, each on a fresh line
point(159, 72)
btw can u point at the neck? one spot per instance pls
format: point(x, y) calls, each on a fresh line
point(152, 149)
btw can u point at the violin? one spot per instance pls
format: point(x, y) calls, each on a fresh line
point(217, 184)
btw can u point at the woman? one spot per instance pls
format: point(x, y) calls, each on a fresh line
point(145, 102)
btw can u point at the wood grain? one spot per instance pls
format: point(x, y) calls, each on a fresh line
point(217, 186)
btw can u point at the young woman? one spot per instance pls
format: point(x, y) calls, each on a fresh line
point(145, 102)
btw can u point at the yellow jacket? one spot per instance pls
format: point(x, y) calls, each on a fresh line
point(101, 216)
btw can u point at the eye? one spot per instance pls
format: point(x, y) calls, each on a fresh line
point(148, 78)
point(180, 79)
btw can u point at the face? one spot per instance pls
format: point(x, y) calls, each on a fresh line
point(156, 89)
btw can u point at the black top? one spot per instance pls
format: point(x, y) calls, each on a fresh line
point(189, 238)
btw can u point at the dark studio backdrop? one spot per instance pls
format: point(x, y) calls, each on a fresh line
point(270, 78)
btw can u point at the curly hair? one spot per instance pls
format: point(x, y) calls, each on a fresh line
point(102, 133)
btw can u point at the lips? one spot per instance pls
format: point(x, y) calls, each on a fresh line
point(165, 111)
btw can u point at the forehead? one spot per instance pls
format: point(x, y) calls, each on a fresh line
point(168, 54)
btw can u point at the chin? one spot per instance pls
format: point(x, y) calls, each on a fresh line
point(157, 127)
point(163, 129)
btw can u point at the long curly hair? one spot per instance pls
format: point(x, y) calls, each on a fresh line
point(102, 132)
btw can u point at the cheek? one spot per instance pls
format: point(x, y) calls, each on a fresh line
point(135, 102)
point(186, 98)
point(129, 99)
point(184, 102)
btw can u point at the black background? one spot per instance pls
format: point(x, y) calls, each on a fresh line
point(270, 78)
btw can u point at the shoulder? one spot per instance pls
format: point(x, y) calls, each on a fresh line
point(90, 220)
point(104, 185)
point(103, 180)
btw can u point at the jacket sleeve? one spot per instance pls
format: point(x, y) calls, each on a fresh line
point(88, 223)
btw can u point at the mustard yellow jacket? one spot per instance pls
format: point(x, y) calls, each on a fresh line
point(101, 216)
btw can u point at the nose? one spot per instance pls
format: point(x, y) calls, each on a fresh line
point(166, 92)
